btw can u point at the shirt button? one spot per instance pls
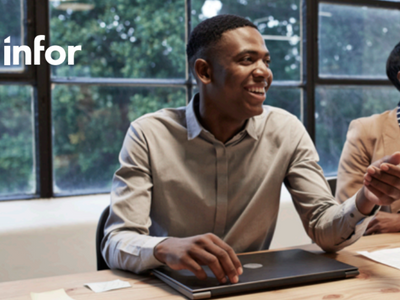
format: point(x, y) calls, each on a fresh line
point(352, 215)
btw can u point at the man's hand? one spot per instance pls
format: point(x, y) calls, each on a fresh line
point(381, 184)
point(202, 250)
point(384, 222)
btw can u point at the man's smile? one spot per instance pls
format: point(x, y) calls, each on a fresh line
point(256, 90)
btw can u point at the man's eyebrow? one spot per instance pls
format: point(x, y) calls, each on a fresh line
point(248, 51)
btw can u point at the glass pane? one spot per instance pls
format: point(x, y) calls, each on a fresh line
point(17, 172)
point(278, 22)
point(336, 107)
point(89, 125)
point(124, 39)
point(356, 41)
point(11, 26)
point(287, 98)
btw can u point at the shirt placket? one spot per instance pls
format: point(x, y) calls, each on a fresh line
point(222, 190)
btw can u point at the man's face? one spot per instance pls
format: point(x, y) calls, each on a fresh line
point(240, 74)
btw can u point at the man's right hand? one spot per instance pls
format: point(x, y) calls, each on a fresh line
point(201, 250)
point(381, 184)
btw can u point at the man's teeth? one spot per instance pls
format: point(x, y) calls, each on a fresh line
point(259, 90)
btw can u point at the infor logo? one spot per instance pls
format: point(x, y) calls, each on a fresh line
point(36, 50)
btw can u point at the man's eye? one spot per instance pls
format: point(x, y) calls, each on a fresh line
point(267, 62)
point(248, 58)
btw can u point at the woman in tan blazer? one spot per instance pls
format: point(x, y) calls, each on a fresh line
point(370, 139)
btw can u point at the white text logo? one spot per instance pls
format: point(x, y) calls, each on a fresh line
point(36, 53)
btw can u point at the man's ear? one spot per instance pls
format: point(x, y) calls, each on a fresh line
point(203, 70)
point(398, 76)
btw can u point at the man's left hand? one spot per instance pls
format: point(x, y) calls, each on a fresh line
point(381, 184)
point(382, 180)
point(384, 222)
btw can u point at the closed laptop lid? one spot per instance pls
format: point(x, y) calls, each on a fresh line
point(266, 270)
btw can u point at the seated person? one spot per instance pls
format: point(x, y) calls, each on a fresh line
point(369, 139)
point(197, 184)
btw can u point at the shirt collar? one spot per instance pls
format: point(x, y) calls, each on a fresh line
point(251, 129)
point(194, 127)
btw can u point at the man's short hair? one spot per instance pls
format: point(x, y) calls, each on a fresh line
point(206, 35)
point(393, 66)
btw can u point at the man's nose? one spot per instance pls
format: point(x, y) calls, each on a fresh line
point(261, 70)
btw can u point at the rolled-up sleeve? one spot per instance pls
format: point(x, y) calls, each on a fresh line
point(331, 225)
point(126, 244)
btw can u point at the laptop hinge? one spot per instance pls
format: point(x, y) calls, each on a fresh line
point(352, 273)
point(202, 295)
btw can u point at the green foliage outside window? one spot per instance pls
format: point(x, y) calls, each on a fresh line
point(17, 174)
point(10, 26)
point(90, 123)
point(120, 39)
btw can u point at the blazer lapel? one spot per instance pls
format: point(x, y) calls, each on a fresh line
point(391, 141)
point(391, 133)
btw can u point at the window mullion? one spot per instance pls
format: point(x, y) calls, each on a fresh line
point(310, 61)
point(43, 107)
point(188, 29)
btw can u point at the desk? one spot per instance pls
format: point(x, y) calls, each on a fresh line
point(376, 281)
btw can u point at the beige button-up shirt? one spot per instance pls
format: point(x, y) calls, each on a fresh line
point(177, 180)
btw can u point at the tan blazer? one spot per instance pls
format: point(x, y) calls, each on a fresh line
point(368, 139)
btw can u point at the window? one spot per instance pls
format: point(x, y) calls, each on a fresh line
point(354, 43)
point(62, 127)
point(11, 27)
point(16, 140)
point(17, 98)
point(132, 40)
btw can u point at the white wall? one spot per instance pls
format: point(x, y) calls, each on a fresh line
point(289, 230)
point(40, 238)
point(49, 237)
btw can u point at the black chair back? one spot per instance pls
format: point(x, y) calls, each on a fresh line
point(332, 185)
point(101, 264)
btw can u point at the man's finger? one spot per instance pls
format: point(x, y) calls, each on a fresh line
point(391, 169)
point(191, 265)
point(372, 193)
point(393, 159)
point(206, 258)
point(232, 254)
point(389, 192)
point(387, 178)
point(225, 261)
point(391, 181)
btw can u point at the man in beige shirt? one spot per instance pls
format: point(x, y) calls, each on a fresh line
point(198, 184)
point(370, 139)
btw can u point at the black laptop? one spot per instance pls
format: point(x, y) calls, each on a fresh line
point(267, 270)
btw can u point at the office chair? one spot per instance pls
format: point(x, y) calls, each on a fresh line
point(101, 264)
point(332, 184)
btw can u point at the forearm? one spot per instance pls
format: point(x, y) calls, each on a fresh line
point(130, 251)
point(364, 205)
point(340, 225)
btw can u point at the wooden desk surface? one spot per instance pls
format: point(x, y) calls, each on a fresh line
point(376, 281)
